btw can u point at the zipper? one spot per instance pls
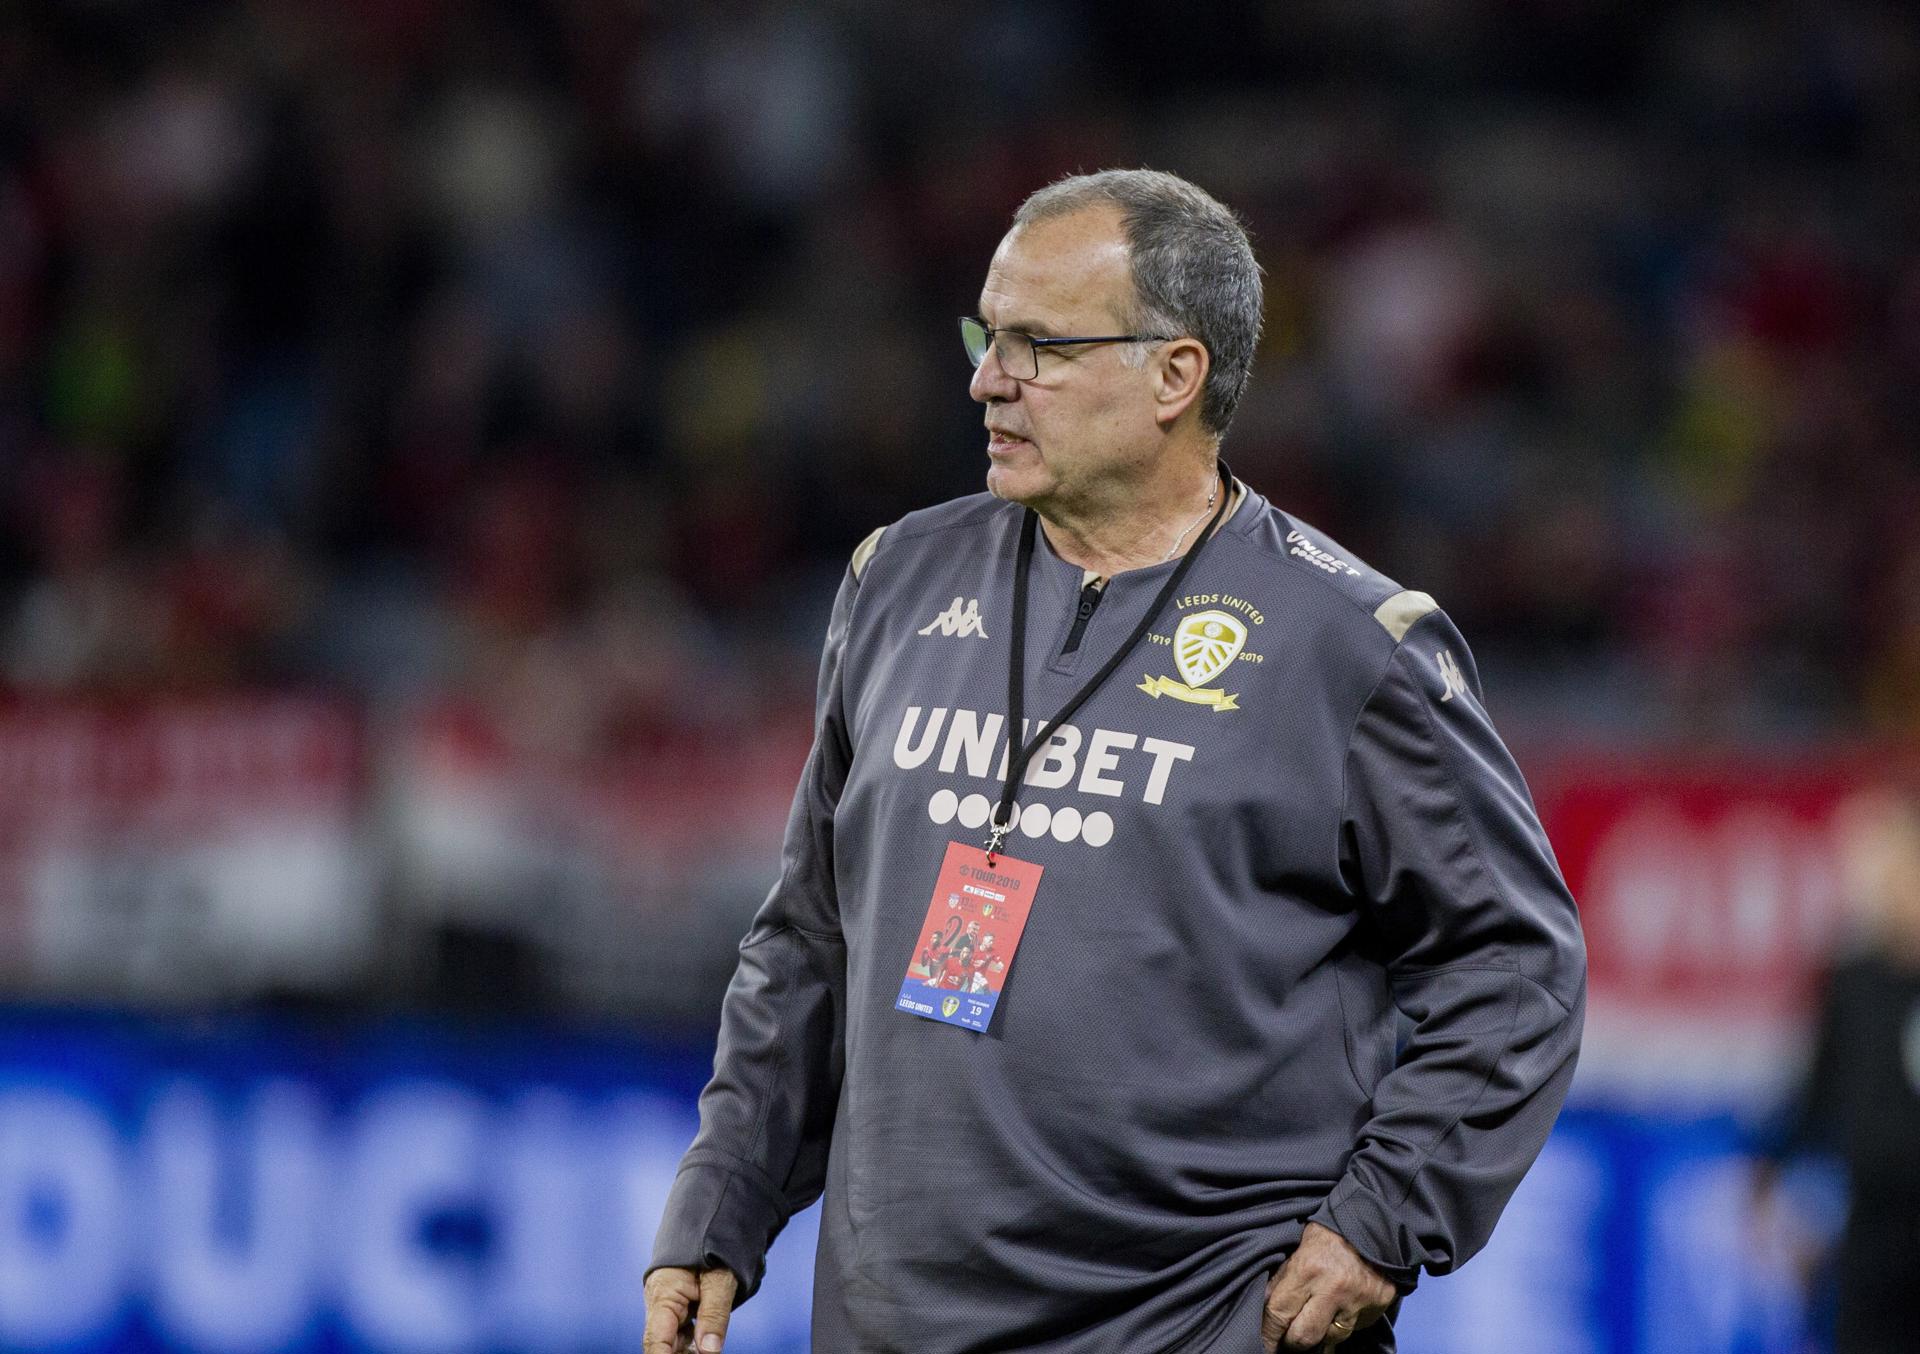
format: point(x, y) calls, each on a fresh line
point(1089, 599)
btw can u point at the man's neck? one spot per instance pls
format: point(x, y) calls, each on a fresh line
point(1139, 531)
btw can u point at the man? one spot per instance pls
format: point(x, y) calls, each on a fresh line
point(960, 957)
point(932, 957)
point(1240, 792)
point(1860, 1100)
point(986, 966)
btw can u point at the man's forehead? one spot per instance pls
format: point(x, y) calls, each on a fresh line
point(1055, 274)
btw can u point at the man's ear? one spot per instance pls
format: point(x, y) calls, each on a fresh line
point(1182, 375)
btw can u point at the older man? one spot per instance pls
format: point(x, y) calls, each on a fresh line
point(1293, 987)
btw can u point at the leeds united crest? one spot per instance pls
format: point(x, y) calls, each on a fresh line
point(1204, 646)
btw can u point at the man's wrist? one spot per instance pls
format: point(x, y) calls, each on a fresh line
point(717, 1217)
point(1360, 1218)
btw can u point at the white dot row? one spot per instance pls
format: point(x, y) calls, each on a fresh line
point(1036, 820)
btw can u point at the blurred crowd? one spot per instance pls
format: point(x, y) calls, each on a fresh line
point(551, 356)
point(494, 390)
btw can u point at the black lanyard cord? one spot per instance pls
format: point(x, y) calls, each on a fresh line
point(1018, 756)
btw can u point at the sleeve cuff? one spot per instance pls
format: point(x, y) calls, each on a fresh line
point(717, 1215)
point(1361, 1218)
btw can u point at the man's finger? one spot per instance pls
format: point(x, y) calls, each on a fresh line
point(1309, 1329)
point(662, 1326)
point(1342, 1326)
point(668, 1297)
point(717, 1287)
point(1286, 1295)
point(670, 1294)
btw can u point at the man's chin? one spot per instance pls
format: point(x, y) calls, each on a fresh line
point(1016, 484)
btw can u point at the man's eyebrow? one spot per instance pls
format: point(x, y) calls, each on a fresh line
point(1031, 328)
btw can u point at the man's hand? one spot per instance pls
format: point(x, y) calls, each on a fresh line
point(687, 1309)
point(1324, 1293)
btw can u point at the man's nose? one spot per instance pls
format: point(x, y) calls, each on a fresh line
point(990, 382)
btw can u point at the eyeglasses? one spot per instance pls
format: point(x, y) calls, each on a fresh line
point(1019, 353)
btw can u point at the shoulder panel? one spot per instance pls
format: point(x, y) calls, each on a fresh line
point(864, 551)
point(1398, 613)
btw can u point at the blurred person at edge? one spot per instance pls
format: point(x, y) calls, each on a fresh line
point(1188, 1124)
point(1861, 1096)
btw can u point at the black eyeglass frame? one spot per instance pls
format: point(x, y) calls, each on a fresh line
point(967, 321)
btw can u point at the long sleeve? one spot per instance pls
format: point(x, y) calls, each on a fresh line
point(1483, 954)
point(767, 1114)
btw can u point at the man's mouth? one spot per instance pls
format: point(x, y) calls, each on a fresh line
point(999, 439)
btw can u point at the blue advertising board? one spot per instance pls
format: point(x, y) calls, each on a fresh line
point(236, 1184)
point(240, 1184)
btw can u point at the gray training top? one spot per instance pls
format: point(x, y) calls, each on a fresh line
point(1283, 817)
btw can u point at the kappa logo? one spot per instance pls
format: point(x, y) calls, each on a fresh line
point(1204, 646)
point(1450, 675)
point(958, 619)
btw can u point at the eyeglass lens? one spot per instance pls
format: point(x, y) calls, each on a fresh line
point(1016, 351)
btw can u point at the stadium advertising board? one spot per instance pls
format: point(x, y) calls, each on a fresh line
point(237, 1185)
point(234, 1185)
point(1710, 893)
point(182, 849)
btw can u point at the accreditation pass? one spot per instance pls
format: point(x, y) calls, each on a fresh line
point(965, 947)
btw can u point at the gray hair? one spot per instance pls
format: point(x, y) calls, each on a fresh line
point(1193, 269)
